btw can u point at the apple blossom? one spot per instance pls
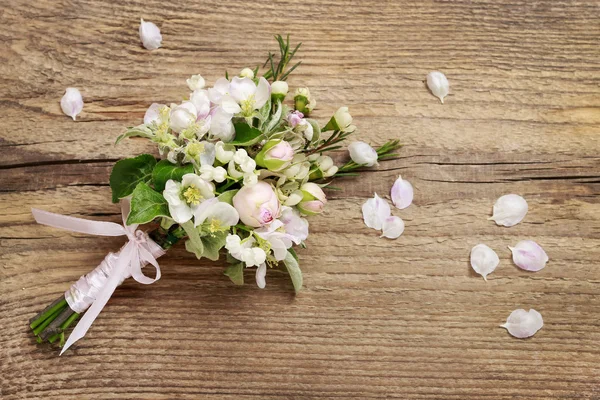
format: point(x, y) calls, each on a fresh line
point(221, 126)
point(279, 89)
point(247, 73)
point(185, 197)
point(257, 205)
point(182, 116)
point(218, 215)
point(72, 102)
point(150, 35)
point(363, 154)
point(153, 114)
point(245, 96)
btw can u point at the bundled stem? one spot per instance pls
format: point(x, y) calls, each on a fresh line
point(51, 323)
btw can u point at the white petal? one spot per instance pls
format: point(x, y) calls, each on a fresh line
point(509, 210)
point(180, 213)
point(523, 324)
point(263, 92)
point(484, 260)
point(220, 211)
point(438, 84)
point(153, 113)
point(72, 102)
point(150, 35)
point(261, 273)
point(200, 100)
point(528, 255)
point(241, 88)
point(402, 193)
point(393, 227)
point(229, 105)
point(375, 211)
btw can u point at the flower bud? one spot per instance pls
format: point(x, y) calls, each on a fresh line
point(275, 155)
point(294, 118)
point(247, 73)
point(279, 89)
point(341, 121)
point(303, 101)
point(71, 103)
point(313, 199)
point(363, 154)
point(195, 82)
point(257, 205)
point(150, 35)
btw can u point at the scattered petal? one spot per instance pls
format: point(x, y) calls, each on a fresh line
point(72, 102)
point(509, 210)
point(523, 324)
point(438, 84)
point(484, 260)
point(528, 255)
point(392, 227)
point(375, 211)
point(402, 193)
point(150, 35)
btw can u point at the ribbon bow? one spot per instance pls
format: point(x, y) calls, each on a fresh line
point(137, 252)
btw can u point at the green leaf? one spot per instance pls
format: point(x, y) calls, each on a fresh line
point(194, 243)
point(227, 197)
point(139, 131)
point(245, 135)
point(213, 243)
point(291, 263)
point(127, 173)
point(146, 204)
point(235, 272)
point(165, 170)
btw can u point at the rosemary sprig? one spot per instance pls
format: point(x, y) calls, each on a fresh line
point(277, 72)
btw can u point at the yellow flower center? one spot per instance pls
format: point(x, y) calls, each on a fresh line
point(192, 195)
point(215, 226)
point(248, 106)
point(195, 149)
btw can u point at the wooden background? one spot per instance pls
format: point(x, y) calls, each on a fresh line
point(405, 319)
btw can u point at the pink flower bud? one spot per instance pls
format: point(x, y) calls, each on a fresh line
point(275, 155)
point(257, 205)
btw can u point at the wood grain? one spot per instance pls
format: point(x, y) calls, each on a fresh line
point(401, 319)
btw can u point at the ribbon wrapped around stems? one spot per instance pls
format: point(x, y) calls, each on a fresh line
point(136, 253)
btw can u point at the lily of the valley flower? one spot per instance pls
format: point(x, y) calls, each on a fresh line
point(509, 210)
point(184, 198)
point(210, 173)
point(484, 260)
point(341, 121)
point(245, 96)
point(244, 250)
point(72, 102)
point(438, 84)
point(224, 152)
point(529, 255)
point(298, 169)
point(402, 193)
point(275, 155)
point(313, 200)
point(522, 324)
point(195, 82)
point(257, 205)
point(363, 154)
point(150, 35)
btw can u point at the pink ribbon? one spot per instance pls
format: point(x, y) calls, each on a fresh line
point(136, 253)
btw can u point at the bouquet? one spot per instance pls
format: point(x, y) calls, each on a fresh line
point(240, 169)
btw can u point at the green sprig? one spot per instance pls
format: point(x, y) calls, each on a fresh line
point(277, 72)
